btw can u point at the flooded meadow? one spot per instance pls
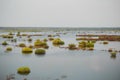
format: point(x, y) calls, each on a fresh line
point(60, 55)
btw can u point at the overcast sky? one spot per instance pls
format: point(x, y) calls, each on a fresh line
point(60, 13)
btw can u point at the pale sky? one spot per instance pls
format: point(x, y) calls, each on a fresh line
point(60, 13)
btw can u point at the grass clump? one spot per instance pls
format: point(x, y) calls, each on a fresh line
point(4, 43)
point(105, 42)
point(31, 46)
point(45, 40)
point(29, 39)
point(72, 46)
point(113, 54)
point(51, 38)
point(91, 48)
point(27, 50)
point(58, 41)
point(9, 49)
point(22, 45)
point(18, 34)
point(40, 51)
point(7, 36)
point(23, 70)
point(50, 35)
point(39, 43)
point(86, 45)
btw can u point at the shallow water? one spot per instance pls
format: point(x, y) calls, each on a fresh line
point(62, 64)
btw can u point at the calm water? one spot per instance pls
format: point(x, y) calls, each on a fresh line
point(62, 64)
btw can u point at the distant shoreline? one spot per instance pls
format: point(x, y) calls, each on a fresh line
point(37, 29)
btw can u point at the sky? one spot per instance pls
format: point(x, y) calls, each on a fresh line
point(60, 13)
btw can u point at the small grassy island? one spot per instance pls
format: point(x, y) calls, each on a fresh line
point(26, 50)
point(86, 45)
point(40, 51)
point(40, 44)
point(58, 41)
point(9, 49)
point(23, 70)
point(72, 46)
point(4, 43)
point(22, 45)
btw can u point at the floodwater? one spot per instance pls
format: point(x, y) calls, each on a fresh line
point(59, 63)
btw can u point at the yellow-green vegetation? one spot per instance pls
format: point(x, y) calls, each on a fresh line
point(86, 44)
point(82, 38)
point(9, 49)
point(105, 42)
point(27, 50)
point(7, 36)
point(72, 46)
point(31, 46)
point(23, 70)
point(58, 41)
point(22, 45)
point(50, 35)
point(29, 39)
point(45, 40)
point(10, 33)
point(4, 43)
point(46, 46)
point(91, 48)
point(113, 54)
point(51, 38)
point(93, 41)
point(40, 51)
point(18, 34)
point(24, 34)
point(39, 43)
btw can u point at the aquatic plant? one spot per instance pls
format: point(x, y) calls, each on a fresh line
point(93, 41)
point(39, 43)
point(7, 36)
point(51, 38)
point(10, 36)
point(40, 51)
point(18, 34)
point(4, 36)
point(10, 33)
point(22, 45)
point(31, 46)
point(29, 39)
point(113, 54)
point(26, 50)
point(4, 43)
point(82, 44)
point(86, 44)
point(91, 48)
point(58, 41)
point(24, 34)
point(23, 70)
point(105, 42)
point(46, 46)
point(9, 49)
point(89, 44)
point(45, 40)
point(72, 46)
point(49, 35)
point(82, 38)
